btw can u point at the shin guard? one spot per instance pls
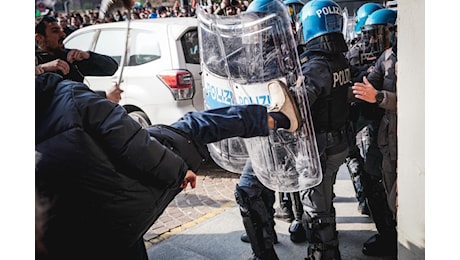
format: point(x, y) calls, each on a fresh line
point(257, 225)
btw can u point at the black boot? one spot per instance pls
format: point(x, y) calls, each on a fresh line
point(268, 255)
point(379, 245)
point(323, 252)
point(298, 233)
point(245, 238)
point(385, 242)
point(284, 211)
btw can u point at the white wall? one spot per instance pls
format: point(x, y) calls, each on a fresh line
point(411, 129)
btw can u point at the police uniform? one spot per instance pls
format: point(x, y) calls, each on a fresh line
point(379, 173)
point(327, 79)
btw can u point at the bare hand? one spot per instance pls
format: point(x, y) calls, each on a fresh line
point(364, 91)
point(77, 55)
point(56, 65)
point(114, 93)
point(190, 177)
point(39, 70)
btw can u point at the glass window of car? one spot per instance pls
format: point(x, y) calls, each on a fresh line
point(143, 48)
point(190, 47)
point(81, 41)
point(108, 46)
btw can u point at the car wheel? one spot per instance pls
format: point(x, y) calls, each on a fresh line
point(140, 117)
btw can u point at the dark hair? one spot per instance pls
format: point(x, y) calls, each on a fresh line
point(40, 28)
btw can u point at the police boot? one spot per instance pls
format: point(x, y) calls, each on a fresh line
point(284, 211)
point(323, 251)
point(296, 230)
point(268, 255)
point(379, 245)
point(384, 243)
point(258, 225)
point(323, 243)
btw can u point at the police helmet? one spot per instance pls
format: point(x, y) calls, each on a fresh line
point(363, 12)
point(259, 6)
point(378, 30)
point(320, 17)
point(382, 16)
point(269, 7)
point(294, 7)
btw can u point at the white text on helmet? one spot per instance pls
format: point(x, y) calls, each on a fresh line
point(342, 77)
point(329, 10)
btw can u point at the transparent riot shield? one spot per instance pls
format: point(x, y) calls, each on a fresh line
point(239, 55)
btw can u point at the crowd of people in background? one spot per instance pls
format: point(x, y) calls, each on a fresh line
point(74, 20)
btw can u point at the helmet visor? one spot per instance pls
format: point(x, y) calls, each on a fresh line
point(376, 39)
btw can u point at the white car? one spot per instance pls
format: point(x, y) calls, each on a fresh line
point(161, 78)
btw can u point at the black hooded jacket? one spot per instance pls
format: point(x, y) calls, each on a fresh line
point(106, 180)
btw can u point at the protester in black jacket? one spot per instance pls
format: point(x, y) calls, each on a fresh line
point(107, 179)
point(72, 64)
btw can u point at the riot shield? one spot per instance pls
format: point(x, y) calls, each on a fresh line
point(239, 55)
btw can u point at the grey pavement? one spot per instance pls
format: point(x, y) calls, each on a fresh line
point(216, 233)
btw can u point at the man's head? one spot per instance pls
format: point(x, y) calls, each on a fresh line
point(76, 21)
point(231, 7)
point(162, 11)
point(49, 35)
point(63, 22)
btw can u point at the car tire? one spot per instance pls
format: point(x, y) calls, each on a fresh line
point(140, 117)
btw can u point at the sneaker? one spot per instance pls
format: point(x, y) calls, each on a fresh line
point(282, 101)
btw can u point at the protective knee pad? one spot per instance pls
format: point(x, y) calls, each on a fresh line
point(319, 229)
point(257, 223)
point(322, 237)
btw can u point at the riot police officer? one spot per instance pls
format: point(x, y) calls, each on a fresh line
point(357, 53)
point(360, 66)
point(256, 201)
point(327, 80)
point(378, 181)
